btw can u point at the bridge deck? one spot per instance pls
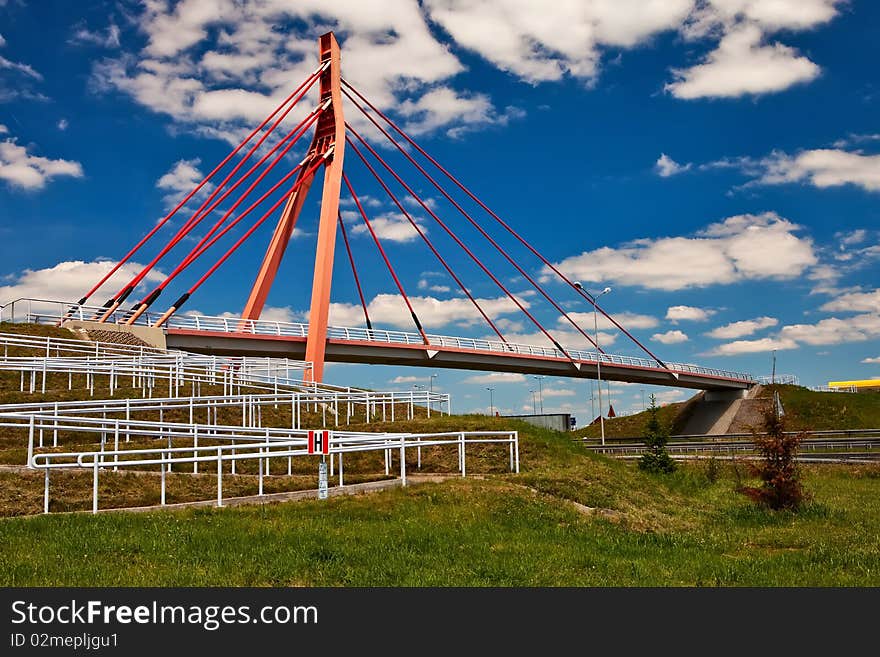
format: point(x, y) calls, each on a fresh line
point(462, 354)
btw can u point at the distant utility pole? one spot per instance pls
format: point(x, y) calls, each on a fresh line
point(540, 391)
point(773, 372)
point(534, 403)
point(491, 402)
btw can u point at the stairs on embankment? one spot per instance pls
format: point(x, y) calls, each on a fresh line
point(716, 413)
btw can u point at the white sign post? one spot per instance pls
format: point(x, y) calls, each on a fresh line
point(322, 480)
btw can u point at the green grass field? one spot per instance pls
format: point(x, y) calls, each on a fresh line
point(570, 518)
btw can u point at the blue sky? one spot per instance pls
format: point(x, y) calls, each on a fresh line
point(716, 162)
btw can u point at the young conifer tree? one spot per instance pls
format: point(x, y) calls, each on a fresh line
point(656, 458)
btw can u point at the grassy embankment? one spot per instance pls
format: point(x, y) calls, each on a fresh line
point(570, 518)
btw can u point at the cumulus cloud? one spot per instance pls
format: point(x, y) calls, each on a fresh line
point(742, 247)
point(67, 281)
point(742, 328)
point(391, 227)
point(390, 309)
point(495, 377)
point(180, 181)
point(23, 170)
point(409, 379)
point(821, 168)
point(835, 330)
point(872, 361)
point(743, 64)
point(855, 302)
point(538, 45)
point(665, 166)
point(677, 314)
point(670, 337)
point(761, 345)
point(626, 319)
point(557, 392)
point(216, 65)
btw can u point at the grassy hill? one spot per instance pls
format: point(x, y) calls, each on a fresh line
point(571, 518)
point(805, 410)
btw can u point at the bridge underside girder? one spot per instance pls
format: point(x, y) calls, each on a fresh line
point(343, 351)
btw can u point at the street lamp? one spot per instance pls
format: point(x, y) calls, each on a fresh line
point(593, 298)
point(491, 402)
point(540, 391)
point(534, 403)
point(433, 376)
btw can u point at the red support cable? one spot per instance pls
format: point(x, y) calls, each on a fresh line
point(488, 237)
point(195, 190)
point(177, 304)
point(501, 221)
point(424, 237)
point(201, 213)
point(290, 140)
point(360, 208)
point(150, 298)
point(210, 204)
point(357, 280)
point(460, 243)
point(201, 247)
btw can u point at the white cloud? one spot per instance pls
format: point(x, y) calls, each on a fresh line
point(835, 331)
point(391, 227)
point(108, 38)
point(2, 41)
point(443, 106)
point(68, 281)
point(872, 361)
point(24, 69)
point(666, 166)
point(537, 43)
point(822, 168)
point(670, 337)
point(626, 319)
point(62, 125)
point(217, 65)
point(432, 312)
point(495, 377)
point(742, 247)
point(569, 339)
point(855, 302)
point(180, 181)
point(742, 328)
point(24, 170)
point(753, 346)
point(557, 392)
point(852, 237)
point(742, 64)
point(688, 313)
point(409, 379)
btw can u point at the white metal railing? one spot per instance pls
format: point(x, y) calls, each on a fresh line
point(236, 445)
point(295, 329)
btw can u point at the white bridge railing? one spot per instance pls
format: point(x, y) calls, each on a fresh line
point(41, 311)
point(230, 446)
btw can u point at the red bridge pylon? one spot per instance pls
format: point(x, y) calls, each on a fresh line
point(327, 150)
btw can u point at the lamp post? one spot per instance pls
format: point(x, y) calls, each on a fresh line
point(491, 402)
point(598, 356)
point(534, 403)
point(431, 383)
point(540, 391)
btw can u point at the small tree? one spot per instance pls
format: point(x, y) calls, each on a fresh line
point(781, 486)
point(656, 459)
